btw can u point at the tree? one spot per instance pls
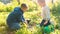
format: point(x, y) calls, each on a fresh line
point(18, 2)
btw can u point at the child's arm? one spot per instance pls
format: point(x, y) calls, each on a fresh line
point(46, 22)
point(23, 20)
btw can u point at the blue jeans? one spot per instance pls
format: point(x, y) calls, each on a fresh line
point(14, 26)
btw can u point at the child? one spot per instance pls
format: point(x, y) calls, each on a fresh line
point(46, 17)
point(15, 18)
point(45, 13)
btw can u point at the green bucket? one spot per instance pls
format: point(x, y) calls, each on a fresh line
point(48, 29)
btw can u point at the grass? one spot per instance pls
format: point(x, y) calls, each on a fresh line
point(24, 29)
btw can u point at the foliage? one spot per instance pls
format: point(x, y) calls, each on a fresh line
point(34, 9)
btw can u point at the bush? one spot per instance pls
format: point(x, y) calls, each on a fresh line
point(56, 11)
point(2, 7)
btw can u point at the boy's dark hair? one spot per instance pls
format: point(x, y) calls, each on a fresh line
point(24, 6)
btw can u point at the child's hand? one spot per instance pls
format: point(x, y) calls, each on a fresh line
point(25, 22)
point(45, 22)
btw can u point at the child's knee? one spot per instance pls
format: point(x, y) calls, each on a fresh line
point(14, 27)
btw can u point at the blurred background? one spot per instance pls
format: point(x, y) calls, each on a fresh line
point(7, 6)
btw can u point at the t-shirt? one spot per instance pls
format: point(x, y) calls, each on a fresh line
point(45, 13)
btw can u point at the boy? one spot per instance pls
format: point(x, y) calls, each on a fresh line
point(46, 17)
point(45, 13)
point(15, 18)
